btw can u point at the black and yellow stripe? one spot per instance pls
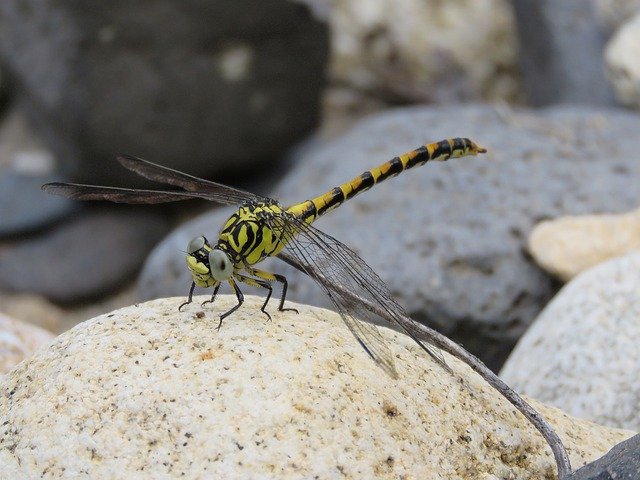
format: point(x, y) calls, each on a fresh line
point(310, 210)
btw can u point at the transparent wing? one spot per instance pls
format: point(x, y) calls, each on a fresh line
point(215, 192)
point(330, 262)
point(195, 187)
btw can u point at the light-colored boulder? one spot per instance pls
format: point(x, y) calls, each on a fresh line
point(621, 58)
point(18, 340)
point(581, 354)
point(569, 245)
point(150, 392)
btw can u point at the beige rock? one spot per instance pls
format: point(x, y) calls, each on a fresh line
point(18, 340)
point(566, 246)
point(621, 59)
point(416, 50)
point(150, 392)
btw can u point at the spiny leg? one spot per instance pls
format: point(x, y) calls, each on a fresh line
point(274, 277)
point(256, 282)
point(240, 298)
point(190, 299)
point(213, 295)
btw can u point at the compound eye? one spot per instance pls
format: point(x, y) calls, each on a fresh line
point(196, 244)
point(220, 265)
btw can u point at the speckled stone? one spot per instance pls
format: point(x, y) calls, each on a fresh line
point(569, 245)
point(18, 340)
point(581, 354)
point(150, 392)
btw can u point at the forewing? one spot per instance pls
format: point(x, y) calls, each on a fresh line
point(118, 195)
point(214, 191)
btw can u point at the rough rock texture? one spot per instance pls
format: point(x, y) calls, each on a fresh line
point(18, 340)
point(91, 254)
point(214, 86)
point(560, 52)
point(418, 50)
point(581, 354)
point(568, 245)
point(621, 463)
point(623, 69)
point(153, 392)
point(450, 238)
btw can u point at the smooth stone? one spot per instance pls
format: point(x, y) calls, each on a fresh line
point(92, 254)
point(613, 13)
point(18, 340)
point(569, 245)
point(415, 51)
point(622, 462)
point(581, 353)
point(216, 87)
point(151, 392)
point(24, 207)
point(450, 239)
point(561, 49)
point(623, 69)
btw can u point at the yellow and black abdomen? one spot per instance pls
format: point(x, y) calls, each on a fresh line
point(310, 210)
point(248, 237)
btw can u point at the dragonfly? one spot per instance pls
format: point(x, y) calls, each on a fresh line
point(262, 228)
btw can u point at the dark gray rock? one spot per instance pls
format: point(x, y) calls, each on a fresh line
point(24, 207)
point(210, 86)
point(88, 256)
point(561, 52)
point(622, 462)
point(449, 238)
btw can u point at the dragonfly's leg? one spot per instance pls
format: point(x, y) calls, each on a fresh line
point(190, 299)
point(256, 282)
point(274, 277)
point(213, 295)
point(240, 297)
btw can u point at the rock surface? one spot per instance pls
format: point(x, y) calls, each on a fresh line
point(561, 51)
point(153, 390)
point(613, 13)
point(622, 462)
point(623, 69)
point(450, 238)
point(91, 254)
point(224, 87)
point(567, 246)
point(18, 340)
point(581, 353)
point(416, 51)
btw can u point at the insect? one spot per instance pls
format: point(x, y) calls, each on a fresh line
point(262, 228)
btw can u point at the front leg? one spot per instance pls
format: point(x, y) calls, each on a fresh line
point(190, 299)
point(240, 298)
point(213, 295)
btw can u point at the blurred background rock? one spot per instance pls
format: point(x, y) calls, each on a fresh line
point(268, 96)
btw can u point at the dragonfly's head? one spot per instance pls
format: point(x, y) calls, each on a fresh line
point(208, 265)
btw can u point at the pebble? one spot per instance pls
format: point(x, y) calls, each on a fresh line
point(581, 353)
point(623, 71)
point(150, 389)
point(569, 245)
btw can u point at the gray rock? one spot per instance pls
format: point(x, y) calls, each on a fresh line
point(561, 52)
point(24, 207)
point(449, 238)
point(621, 463)
point(209, 86)
point(83, 258)
point(581, 353)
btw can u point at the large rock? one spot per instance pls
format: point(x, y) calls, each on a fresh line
point(566, 246)
point(581, 354)
point(622, 66)
point(417, 51)
point(18, 340)
point(622, 462)
point(150, 392)
point(212, 86)
point(450, 238)
point(561, 49)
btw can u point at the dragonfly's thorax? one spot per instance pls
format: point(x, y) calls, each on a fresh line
point(252, 233)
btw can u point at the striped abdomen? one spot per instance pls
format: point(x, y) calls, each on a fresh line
point(310, 210)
